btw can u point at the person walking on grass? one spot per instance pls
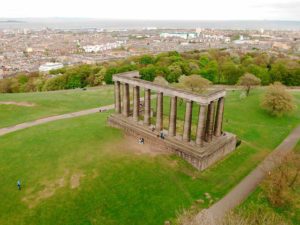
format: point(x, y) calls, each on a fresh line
point(19, 185)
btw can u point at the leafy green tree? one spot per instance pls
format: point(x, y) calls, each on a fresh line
point(277, 72)
point(22, 78)
point(277, 101)
point(55, 83)
point(247, 60)
point(260, 72)
point(148, 73)
point(58, 71)
point(109, 73)
point(173, 53)
point(211, 71)
point(146, 60)
point(203, 61)
point(175, 73)
point(231, 72)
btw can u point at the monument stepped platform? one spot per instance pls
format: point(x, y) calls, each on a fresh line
point(200, 157)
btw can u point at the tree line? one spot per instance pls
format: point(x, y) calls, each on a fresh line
point(217, 66)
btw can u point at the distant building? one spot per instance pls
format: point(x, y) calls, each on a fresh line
point(198, 31)
point(150, 28)
point(280, 45)
point(29, 50)
point(50, 66)
point(183, 35)
point(103, 47)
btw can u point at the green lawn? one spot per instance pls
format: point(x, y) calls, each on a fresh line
point(117, 185)
point(51, 103)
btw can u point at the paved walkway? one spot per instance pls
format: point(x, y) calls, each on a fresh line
point(21, 126)
point(240, 192)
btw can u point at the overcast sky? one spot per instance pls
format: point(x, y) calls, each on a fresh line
point(155, 9)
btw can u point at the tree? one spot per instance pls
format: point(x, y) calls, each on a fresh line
point(146, 60)
point(231, 72)
point(194, 83)
point(175, 73)
point(5, 86)
point(277, 100)
point(161, 81)
point(148, 73)
point(249, 80)
point(260, 72)
point(109, 73)
point(211, 71)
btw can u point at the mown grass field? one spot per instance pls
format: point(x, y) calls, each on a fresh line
point(79, 171)
point(51, 103)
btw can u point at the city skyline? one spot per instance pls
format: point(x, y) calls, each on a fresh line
point(157, 10)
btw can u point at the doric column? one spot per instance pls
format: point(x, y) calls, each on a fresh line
point(159, 112)
point(147, 111)
point(210, 121)
point(126, 100)
point(187, 121)
point(219, 117)
point(136, 102)
point(200, 136)
point(117, 97)
point(173, 117)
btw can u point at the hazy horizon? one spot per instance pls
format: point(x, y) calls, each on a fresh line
point(86, 23)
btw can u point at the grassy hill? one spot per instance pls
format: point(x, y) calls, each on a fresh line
point(79, 171)
point(51, 103)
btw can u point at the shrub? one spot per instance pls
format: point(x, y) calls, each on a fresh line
point(277, 101)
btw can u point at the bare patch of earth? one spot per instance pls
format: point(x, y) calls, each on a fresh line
point(33, 198)
point(132, 143)
point(75, 180)
point(26, 104)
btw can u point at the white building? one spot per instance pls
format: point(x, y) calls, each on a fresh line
point(50, 66)
point(103, 47)
point(182, 35)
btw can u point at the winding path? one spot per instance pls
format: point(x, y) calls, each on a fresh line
point(21, 126)
point(216, 212)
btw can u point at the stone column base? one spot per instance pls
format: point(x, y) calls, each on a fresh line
point(199, 157)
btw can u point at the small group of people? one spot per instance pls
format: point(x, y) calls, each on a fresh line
point(141, 141)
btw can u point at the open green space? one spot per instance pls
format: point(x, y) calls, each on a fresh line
point(79, 171)
point(51, 103)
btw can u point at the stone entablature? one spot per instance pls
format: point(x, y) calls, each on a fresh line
point(132, 78)
point(210, 118)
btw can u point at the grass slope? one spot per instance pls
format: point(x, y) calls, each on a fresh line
point(117, 185)
point(51, 103)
